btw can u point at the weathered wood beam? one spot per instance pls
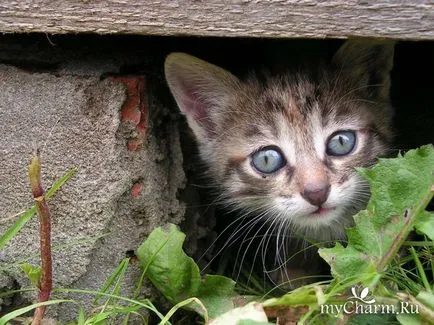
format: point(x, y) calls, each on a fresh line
point(408, 19)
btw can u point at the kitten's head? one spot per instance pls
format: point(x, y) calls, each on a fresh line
point(287, 147)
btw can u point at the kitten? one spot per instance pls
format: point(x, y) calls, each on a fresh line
point(285, 149)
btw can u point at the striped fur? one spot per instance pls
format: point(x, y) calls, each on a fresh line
point(232, 118)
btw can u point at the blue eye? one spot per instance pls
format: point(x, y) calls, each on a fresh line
point(268, 160)
point(341, 143)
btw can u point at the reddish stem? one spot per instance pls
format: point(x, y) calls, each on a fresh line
point(44, 234)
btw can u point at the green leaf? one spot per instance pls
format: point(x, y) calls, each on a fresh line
point(16, 227)
point(100, 318)
point(401, 189)
point(252, 313)
point(427, 299)
point(32, 272)
point(10, 316)
point(369, 319)
point(409, 319)
point(425, 224)
point(298, 297)
point(60, 182)
point(216, 292)
point(81, 318)
point(173, 272)
point(192, 303)
point(115, 279)
point(23, 219)
point(178, 278)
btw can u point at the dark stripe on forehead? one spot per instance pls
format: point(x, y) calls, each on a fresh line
point(272, 104)
point(333, 112)
point(293, 114)
point(308, 101)
point(271, 124)
point(304, 104)
point(252, 131)
point(342, 110)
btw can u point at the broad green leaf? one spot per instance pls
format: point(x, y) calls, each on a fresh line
point(425, 224)
point(171, 271)
point(401, 188)
point(178, 278)
point(216, 292)
point(32, 272)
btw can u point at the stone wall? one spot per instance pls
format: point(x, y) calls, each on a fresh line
point(82, 111)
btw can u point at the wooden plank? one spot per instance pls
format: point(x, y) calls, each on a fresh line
point(408, 19)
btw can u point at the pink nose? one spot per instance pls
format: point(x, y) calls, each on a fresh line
point(316, 194)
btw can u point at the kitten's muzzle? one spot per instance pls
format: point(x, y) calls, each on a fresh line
point(316, 194)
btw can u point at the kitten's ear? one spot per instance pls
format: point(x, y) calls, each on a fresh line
point(367, 64)
point(201, 90)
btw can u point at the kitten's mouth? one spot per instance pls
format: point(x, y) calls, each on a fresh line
point(322, 211)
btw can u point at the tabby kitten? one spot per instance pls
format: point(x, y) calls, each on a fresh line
point(285, 149)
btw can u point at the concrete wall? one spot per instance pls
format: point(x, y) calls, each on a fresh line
point(82, 111)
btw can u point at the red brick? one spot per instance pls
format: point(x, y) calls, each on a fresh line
point(135, 108)
point(136, 189)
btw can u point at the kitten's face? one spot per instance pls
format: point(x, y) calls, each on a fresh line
point(287, 148)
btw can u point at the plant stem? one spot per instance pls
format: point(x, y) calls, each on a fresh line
point(418, 243)
point(420, 270)
point(425, 311)
point(34, 170)
point(410, 217)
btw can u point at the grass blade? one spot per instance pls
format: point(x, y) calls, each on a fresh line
point(10, 316)
point(60, 182)
point(21, 221)
point(16, 227)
